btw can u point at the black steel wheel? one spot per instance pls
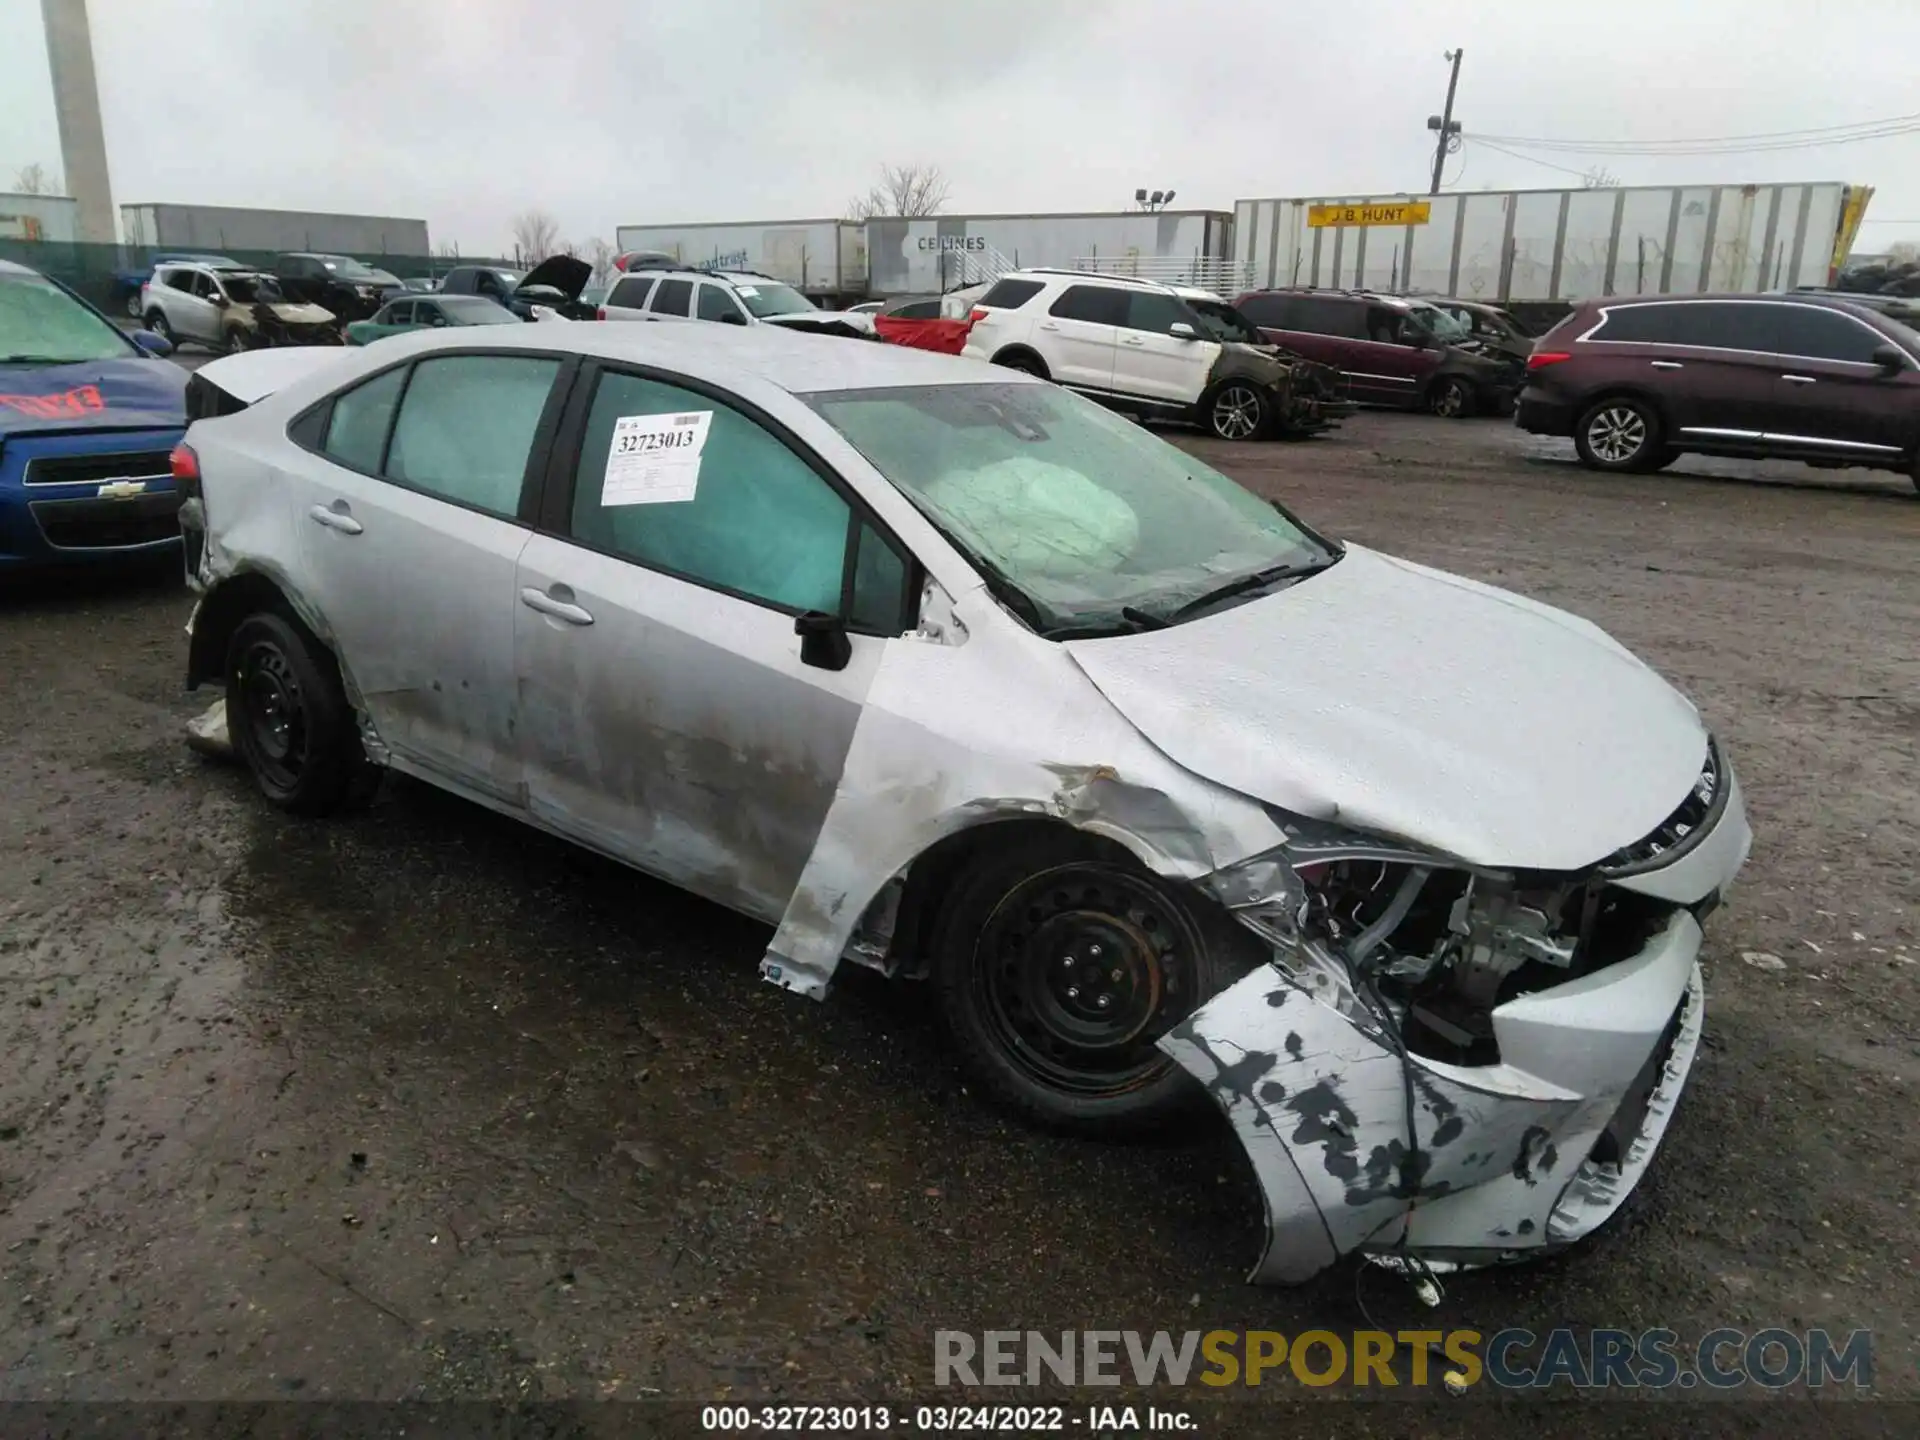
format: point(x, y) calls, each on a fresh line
point(1059, 972)
point(289, 719)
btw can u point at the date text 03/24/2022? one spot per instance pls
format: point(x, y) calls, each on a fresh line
point(940, 1419)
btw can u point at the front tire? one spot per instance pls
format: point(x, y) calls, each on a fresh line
point(1058, 966)
point(289, 718)
point(157, 323)
point(1237, 410)
point(1620, 434)
point(1026, 364)
point(238, 340)
point(1451, 398)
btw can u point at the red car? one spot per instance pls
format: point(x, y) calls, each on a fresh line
point(1392, 350)
point(1637, 382)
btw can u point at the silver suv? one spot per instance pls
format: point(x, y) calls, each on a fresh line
point(732, 297)
point(229, 309)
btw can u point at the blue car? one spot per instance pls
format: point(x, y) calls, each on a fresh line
point(88, 421)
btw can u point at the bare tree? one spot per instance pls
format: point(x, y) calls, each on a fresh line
point(536, 235)
point(448, 250)
point(36, 179)
point(903, 190)
point(1903, 252)
point(1599, 178)
point(600, 254)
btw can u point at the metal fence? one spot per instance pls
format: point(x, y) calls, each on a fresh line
point(102, 273)
point(1206, 272)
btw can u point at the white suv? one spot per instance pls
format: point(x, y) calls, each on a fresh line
point(732, 297)
point(1155, 351)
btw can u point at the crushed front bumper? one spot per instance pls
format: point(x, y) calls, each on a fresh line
point(1511, 1159)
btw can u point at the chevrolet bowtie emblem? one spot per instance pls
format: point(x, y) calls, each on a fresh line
point(122, 489)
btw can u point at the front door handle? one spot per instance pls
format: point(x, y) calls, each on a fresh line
point(557, 601)
point(1798, 379)
point(336, 517)
point(1131, 341)
point(1668, 365)
point(1048, 325)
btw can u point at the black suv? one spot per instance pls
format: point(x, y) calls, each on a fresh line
point(340, 283)
point(1406, 353)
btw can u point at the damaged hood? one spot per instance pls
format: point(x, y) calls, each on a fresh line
point(292, 313)
point(129, 394)
point(1399, 700)
point(563, 273)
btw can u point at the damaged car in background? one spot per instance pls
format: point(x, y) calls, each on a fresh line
point(946, 671)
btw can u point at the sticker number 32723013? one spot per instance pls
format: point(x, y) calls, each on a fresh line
point(655, 459)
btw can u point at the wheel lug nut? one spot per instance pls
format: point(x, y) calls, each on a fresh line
point(1114, 976)
point(1094, 950)
point(1073, 992)
point(1104, 1002)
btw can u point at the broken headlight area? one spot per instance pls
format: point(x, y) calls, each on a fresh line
point(1394, 936)
point(1443, 1061)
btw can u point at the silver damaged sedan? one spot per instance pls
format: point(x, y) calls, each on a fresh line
point(941, 669)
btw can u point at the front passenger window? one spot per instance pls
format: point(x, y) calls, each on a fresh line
point(1154, 313)
point(466, 428)
point(716, 304)
point(730, 506)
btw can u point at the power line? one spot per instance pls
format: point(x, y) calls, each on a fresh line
point(1514, 154)
point(1714, 139)
point(1888, 130)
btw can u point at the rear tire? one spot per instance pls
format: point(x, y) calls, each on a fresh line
point(289, 718)
point(1621, 434)
point(1058, 963)
point(157, 323)
point(238, 339)
point(133, 306)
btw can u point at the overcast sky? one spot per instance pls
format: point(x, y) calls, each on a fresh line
point(464, 112)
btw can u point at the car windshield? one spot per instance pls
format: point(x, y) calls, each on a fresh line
point(1091, 519)
point(770, 297)
point(251, 289)
point(1223, 322)
point(42, 324)
point(476, 310)
point(347, 268)
point(508, 278)
point(1442, 323)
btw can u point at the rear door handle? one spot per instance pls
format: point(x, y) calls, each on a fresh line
point(1798, 379)
point(1131, 341)
point(1668, 365)
point(557, 601)
point(1048, 325)
point(336, 517)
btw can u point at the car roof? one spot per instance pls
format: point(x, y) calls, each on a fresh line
point(1088, 277)
point(1823, 301)
point(9, 267)
point(798, 363)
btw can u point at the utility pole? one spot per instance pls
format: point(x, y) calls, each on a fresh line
point(1444, 123)
point(76, 106)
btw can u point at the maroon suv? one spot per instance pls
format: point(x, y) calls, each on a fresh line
point(1637, 382)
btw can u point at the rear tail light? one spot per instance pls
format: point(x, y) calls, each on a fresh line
point(600, 313)
point(976, 315)
point(186, 471)
point(1540, 359)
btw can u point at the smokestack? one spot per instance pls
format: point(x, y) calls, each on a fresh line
point(76, 105)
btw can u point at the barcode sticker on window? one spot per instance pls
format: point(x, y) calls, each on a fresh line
point(655, 459)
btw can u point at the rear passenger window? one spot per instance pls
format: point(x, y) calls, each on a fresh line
point(466, 427)
point(357, 430)
point(672, 297)
point(1099, 304)
point(1820, 334)
point(715, 304)
point(1010, 294)
point(631, 293)
point(1642, 325)
point(1274, 312)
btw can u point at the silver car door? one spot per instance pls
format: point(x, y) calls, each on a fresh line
point(412, 530)
point(671, 714)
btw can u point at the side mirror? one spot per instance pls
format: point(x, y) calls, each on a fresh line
point(221, 300)
point(1181, 330)
point(1890, 358)
point(157, 346)
point(436, 320)
point(823, 641)
point(733, 317)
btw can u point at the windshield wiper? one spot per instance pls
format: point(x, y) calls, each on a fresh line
point(1245, 584)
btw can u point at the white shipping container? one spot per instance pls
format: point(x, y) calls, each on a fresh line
point(933, 254)
point(817, 257)
point(1515, 245)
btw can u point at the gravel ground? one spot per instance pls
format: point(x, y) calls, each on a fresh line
point(422, 1104)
